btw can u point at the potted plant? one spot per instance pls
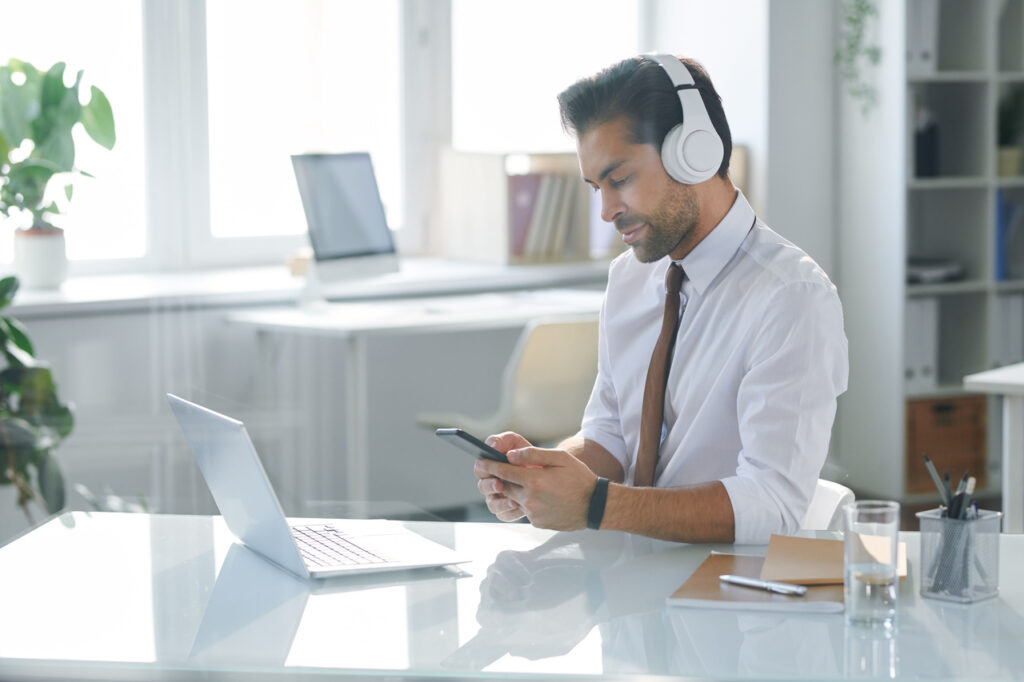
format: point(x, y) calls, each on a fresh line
point(37, 114)
point(33, 420)
point(1011, 132)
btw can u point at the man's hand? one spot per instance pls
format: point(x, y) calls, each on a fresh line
point(550, 487)
point(493, 489)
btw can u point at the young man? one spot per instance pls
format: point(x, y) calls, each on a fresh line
point(738, 424)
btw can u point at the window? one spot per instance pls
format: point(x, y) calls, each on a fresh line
point(292, 77)
point(510, 61)
point(103, 38)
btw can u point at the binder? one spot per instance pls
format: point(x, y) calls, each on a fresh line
point(921, 344)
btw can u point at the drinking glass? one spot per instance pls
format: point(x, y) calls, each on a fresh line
point(870, 580)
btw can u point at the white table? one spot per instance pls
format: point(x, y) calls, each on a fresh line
point(355, 325)
point(1009, 382)
point(155, 597)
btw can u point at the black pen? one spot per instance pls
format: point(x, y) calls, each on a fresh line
point(949, 493)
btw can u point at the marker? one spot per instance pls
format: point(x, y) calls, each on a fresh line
point(769, 585)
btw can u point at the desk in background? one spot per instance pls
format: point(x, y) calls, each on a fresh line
point(347, 331)
point(1009, 382)
point(140, 597)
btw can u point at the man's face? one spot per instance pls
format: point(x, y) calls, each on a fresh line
point(654, 214)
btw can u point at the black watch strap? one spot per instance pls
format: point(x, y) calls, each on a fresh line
point(595, 513)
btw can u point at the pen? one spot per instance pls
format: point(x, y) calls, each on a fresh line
point(770, 585)
point(949, 493)
point(968, 491)
point(938, 481)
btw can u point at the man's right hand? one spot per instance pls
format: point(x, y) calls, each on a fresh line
point(493, 489)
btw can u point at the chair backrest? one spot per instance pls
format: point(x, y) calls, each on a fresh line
point(550, 376)
point(826, 509)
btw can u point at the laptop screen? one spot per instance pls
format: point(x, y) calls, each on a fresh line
point(342, 205)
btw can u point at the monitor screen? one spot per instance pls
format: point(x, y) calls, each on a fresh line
point(342, 205)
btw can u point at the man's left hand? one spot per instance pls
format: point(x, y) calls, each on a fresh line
point(552, 487)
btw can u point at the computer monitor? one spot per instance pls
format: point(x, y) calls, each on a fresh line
point(347, 228)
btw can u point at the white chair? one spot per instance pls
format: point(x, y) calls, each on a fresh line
point(545, 385)
point(826, 509)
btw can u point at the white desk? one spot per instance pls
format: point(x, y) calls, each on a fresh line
point(1009, 382)
point(151, 597)
point(355, 325)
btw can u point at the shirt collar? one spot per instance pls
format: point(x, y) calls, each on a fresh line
point(709, 257)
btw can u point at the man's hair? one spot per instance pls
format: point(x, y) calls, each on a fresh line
point(641, 91)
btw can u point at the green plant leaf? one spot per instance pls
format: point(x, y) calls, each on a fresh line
point(12, 330)
point(69, 189)
point(51, 482)
point(20, 434)
point(98, 119)
point(8, 288)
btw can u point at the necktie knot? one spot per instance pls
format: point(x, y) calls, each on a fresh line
point(674, 278)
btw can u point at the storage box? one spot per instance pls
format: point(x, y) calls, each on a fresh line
point(953, 433)
point(959, 557)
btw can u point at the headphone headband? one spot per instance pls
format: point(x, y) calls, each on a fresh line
point(692, 151)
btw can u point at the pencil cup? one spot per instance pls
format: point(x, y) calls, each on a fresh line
point(959, 557)
point(870, 570)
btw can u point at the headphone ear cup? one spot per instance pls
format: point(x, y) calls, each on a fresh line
point(691, 156)
point(672, 156)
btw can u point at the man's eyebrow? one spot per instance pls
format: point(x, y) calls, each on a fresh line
point(604, 174)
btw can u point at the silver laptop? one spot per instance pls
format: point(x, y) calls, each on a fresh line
point(240, 487)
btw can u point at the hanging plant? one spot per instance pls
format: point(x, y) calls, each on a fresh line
point(857, 55)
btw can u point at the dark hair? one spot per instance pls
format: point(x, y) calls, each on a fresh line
point(640, 90)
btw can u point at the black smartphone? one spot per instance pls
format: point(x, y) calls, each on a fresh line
point(471, 444)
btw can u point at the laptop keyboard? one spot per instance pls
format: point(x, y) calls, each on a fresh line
point(325, 546)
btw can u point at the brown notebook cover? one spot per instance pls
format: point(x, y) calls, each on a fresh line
point(704, 589)
point(812, 561)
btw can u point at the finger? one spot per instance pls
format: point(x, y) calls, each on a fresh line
point(508, 473)
point(510, 516)
point(498, 504)
point(537, 457)
point(507, 440)
point(490, 486)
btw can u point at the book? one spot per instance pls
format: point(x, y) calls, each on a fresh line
point(815, 561)
point(522, 199)
point(703, 589)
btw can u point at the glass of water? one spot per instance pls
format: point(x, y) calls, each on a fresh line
point(870, 580)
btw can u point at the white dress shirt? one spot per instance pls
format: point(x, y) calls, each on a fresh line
point(759, 361)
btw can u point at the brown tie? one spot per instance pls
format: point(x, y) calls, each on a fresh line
point(653, 411)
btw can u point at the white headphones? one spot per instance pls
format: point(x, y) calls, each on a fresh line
point(692, 151)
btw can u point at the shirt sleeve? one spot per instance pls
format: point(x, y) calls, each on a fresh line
point(786, 404)
point(601, 422)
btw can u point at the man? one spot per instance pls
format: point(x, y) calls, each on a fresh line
point(738, 425)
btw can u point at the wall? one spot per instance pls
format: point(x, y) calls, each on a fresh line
point(772, 64)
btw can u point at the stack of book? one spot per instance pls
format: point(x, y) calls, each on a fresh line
point(538, 214)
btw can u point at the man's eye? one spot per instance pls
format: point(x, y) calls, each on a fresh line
point(619, 183)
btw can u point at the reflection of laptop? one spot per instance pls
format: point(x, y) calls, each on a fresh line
point(235, 476)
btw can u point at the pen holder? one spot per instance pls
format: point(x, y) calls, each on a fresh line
point(959, 557)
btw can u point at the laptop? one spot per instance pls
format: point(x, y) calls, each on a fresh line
point(240, 487)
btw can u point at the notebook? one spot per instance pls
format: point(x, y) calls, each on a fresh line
point(816, 561)
point(704, 589)
point(240, 487)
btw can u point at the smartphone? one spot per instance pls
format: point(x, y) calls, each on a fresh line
point(471, 444)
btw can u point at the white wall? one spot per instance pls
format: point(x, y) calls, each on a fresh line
point(771, 62)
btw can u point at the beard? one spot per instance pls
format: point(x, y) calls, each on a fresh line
point(667, 226)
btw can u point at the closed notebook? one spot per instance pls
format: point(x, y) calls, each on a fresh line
point(813, 561)
point(703, 589)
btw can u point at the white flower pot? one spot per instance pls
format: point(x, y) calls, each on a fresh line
point(40, 261)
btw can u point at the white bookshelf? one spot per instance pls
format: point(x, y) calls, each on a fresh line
point(888, 213)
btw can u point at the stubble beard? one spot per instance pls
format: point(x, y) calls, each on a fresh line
point(666, 228)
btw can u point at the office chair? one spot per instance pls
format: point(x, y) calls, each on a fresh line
point(826, 509)
point(545, 385)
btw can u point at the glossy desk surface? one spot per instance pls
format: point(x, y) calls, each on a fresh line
point(135, 596)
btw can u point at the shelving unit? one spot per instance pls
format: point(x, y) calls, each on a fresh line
point(901, 199)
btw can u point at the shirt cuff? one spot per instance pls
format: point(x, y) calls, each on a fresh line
point(755, 515)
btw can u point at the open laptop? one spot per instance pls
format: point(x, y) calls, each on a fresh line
point(240, 487)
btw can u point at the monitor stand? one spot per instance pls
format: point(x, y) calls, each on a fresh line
point(326, 279)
